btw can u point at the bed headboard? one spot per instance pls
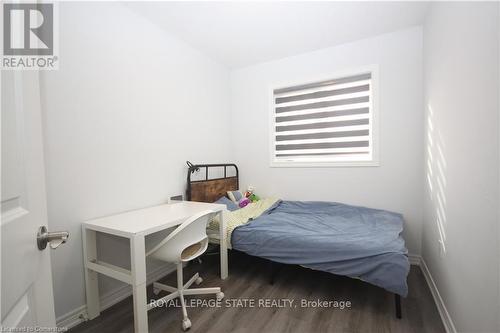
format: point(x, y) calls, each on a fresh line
point(210, 189)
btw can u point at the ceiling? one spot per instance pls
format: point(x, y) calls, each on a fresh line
point(239, 34)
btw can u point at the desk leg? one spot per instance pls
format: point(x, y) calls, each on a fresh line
point(138, 271)
point(223, 246)
point(91, 277)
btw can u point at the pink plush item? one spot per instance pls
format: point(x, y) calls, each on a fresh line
point(243, 202)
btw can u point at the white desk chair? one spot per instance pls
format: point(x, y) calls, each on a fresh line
point(187, 242)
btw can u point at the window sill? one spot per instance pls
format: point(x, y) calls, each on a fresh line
point(343, 164)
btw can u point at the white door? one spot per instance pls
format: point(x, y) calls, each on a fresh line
point(26, 281)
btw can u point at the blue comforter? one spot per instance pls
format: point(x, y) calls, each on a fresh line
point(346, 240)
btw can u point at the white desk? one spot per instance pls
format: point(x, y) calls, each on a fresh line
point(135, 225)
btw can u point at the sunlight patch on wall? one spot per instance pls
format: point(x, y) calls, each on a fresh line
point(435, 175)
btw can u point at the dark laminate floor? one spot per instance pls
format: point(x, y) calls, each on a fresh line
point(372, 308)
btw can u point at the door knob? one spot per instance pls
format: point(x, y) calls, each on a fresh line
point(54, 238)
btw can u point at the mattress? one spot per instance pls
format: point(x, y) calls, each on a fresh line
point(354, 241)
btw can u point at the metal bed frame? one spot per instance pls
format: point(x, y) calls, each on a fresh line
point(217, 187)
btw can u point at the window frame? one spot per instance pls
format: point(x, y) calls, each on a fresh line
point(374, 120)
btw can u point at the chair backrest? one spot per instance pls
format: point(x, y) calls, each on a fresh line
point(192, 234)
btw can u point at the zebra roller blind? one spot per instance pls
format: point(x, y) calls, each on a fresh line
point(326, 121)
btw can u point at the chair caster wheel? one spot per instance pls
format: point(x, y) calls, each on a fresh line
point(198, 281)
point(156, 291)
point(220, 296)
point(186, 324)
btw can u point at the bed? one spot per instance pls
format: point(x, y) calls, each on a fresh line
point(342, 239)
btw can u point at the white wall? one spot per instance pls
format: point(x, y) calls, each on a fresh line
point(461, 196)
point(397, 183)
point(128, 106)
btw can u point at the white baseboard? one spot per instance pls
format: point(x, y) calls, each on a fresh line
point(79, 315)
point(443, 312)
point(414, 259)
point(72, 318)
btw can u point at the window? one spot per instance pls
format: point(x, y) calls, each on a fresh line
point(325, 123)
